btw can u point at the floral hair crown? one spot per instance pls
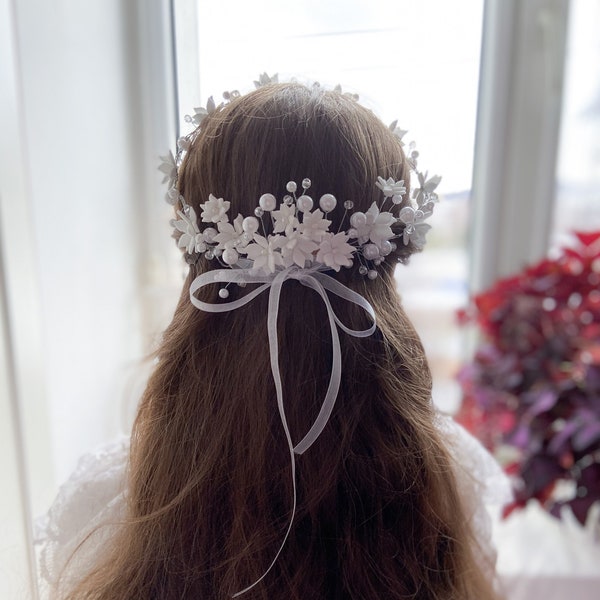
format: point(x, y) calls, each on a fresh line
point(301, 247)
point(301, 233)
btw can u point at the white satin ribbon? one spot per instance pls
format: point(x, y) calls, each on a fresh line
point(320, 282)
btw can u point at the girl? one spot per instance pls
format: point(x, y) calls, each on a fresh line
point(371, 484)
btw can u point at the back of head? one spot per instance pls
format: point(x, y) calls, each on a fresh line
point(378, 511)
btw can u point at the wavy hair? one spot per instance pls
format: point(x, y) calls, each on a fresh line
point(209, 489)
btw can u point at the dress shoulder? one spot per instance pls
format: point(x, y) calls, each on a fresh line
point(483, 486)
point(83, 517)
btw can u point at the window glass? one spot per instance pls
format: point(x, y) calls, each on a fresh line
point(417, 62)
point(578, 170)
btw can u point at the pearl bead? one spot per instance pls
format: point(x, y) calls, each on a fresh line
point(377, 261)
point(288, 200)
point(352, 233)
point(385, 247)
point(397, 199)
point(306, 183)
point(209, 254)
point(304, 203)
point(209, 234)
point(223, 293)
point(250, 225)
point(230, 256)
point(358, 219)
point(370, 251)
point(362, 270)
point(267, 202)
point(348, 205)
point(258, 211)
point(372, 274)
point(327, 202)
point(291, 187)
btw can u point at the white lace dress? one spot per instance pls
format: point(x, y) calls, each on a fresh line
point(94, 496)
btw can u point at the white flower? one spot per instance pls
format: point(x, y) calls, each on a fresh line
point(264, 79)
point(191, 239)
point(381, 229)
point(168, 166)
point(377, 226)
point(425, 192)
point(201, 113)
point(314, 226)
point(231, 235)
point(298, 249)
point(285, 219)
point(390, 187)
point(415, 227)
point(265, 252)
point(335, 252)
point(397, 131)
point(214, 210)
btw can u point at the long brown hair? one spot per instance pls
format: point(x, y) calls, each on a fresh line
point(209, 489)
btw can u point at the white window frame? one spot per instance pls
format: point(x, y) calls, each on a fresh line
point(518, 124)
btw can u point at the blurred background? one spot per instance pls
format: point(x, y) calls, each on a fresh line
point(501, 96)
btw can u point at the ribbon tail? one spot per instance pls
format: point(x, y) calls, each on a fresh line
point(274, 294)
point(332, 390)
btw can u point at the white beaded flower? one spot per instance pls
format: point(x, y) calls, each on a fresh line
point(426, 188)
point(191, 239)
point(373, 225)
point(298, 250)
point(168, 166)
point(231, 235)
point(391, 187)
point(285, 219)
point(264, 252)
point(415, 227)
point(314, 225)
point(335, 252)
point(214, 210)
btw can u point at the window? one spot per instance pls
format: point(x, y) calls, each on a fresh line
point(577, 203)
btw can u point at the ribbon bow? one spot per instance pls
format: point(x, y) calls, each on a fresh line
point(322, 283)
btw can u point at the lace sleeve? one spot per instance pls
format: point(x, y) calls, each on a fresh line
point(484, 487)
point(82, 518)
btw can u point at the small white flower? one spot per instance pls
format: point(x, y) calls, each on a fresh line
point(415, 228)
point(314, 226)
point(397, 131)
point(335, 252)
point(298, 249)
point(425, 192)
point(264, 79)
point(191, 239)
point(377, 227)
point(265, 253)
point(285, 219)
point(201, 113)
point(382, 225)
point(214, 210)
point(231, 235)
point(168, 166)
point(390, 187)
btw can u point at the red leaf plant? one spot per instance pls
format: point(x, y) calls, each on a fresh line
point(533, 386)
